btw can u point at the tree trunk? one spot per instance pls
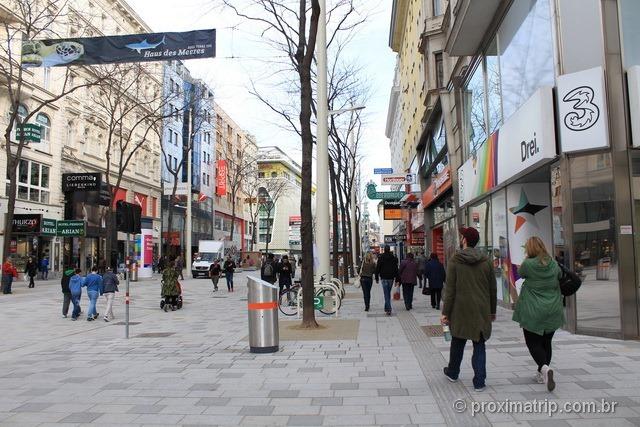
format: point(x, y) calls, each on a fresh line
point(12, 164)
point(233, 217)
point(343, 224)
point(334, 214)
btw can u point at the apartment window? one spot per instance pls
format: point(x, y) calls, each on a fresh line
point(207, 138)
point(238, 154)
point(229, 149)
point(438, 7)
point(45, 125)
point(229, 131)
point(33, 181)
point(175, 163)
point(46, 77)
point(439, 69)
point(286, 175)
point(239, 140)
point(208, 180)
point(204, 178)
point(176, 113)
point(22, 113)
point(175, 138)
point(260, 174)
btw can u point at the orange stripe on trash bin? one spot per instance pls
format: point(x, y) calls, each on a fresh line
point(263, 305)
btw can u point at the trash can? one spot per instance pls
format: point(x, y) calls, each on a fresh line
point(262, 308)
point(134, 271)
point(603, 268)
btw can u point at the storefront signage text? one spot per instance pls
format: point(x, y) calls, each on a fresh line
point(81, 181)
point(382, 171)
point(26, 223)
point(582, 106)
point(439, 184)
point(28, 132)
point(71, 228)
point(399, 179)
point(48, 227)
point(392, 210)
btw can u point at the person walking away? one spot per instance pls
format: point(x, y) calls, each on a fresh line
point(31, 269)
point(387, 270)
point(268, 270)
point(285, 274)
point(408, 272)
point(214, 274)
point(367, 270)
point(93, 283)
point(229, 267)
point(435, 275)
point(539, 309)
point(469, 306)
point(66, 292)
point(75, 287)
point(110, 284)
point(170, 288)
point(9, 273)
point(161, 263)
point(44, 268)
point(179, 265)
point(293, 263)
point(421, 262)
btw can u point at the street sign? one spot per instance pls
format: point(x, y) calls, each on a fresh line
point(382, 171)
point(81, 181)
point(390, 239)
point(48, 227)
point(28, 132)
point(373, 194)
point(398, 179)
point(71, 228)
point(318, 302)
point(182, 189)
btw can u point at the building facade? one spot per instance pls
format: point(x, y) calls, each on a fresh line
point(539, 141)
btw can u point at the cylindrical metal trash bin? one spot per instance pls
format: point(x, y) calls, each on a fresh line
point(134, 271)
point(263, 316)
point(603, 268)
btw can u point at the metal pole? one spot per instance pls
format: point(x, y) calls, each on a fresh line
point(187, 256)
point(322, 154)
point(126, 295)
point(354, 252)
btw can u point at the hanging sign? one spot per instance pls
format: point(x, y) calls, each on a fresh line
point(48, 227)
point(81, 181)
point(28, 132)
point(71, 228)
point(119, 49)
point(398, 179)
point(582, 106)
point(26, 223)
point(382, 171)
point(392, 210)
point(221, 178)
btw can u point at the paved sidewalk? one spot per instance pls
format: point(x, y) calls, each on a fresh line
point(192, 367)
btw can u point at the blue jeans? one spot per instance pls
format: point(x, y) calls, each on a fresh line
point(478, 360)
point(75, 300)
point(93, 299)
point(229, 277)
point(387, 284)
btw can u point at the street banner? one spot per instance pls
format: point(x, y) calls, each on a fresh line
point(221, 178)
point(119, 49)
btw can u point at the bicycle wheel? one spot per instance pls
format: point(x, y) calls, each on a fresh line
point(288, 302)
point(328, 301)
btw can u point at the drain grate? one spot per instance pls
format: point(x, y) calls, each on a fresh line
point(154, 335)
point(433, 330)
point(130, 323)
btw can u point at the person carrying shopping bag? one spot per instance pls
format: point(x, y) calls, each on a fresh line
point(367, 271)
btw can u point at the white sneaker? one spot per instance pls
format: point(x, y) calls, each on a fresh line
point(547, 374)
point(539, 378)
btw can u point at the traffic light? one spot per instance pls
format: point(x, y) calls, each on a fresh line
point(128, 217)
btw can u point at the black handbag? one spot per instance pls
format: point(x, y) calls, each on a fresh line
point(426, 290)
point(569, 282)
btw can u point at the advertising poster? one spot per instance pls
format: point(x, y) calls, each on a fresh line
point(528, 214)
point(478, 174)
point(221, 178)
point(119, 49)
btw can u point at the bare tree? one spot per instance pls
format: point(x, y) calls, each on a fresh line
point(130, 107)
point(240, 165)
point(251, 189)
point(270, 191)
point(28, 20)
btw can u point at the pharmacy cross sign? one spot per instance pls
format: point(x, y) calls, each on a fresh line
point(372, 193)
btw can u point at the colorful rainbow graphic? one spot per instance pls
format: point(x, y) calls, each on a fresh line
point(486, 165)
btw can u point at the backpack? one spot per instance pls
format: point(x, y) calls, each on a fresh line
point(569, 282)
point(268, 270)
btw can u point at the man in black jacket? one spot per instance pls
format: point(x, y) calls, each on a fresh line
point(269, 270)
point(387, 270)
point(110, 283)
point(66, 292)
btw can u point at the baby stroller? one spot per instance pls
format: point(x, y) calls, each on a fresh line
point(173, 303)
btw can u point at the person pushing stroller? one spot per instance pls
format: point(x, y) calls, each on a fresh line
point(170, 288)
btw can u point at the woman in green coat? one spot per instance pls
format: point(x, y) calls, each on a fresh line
point(170, 288)
point(539, 308)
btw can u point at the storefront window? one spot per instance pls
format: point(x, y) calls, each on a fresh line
point(443, 211)
point(480, 219)
point(494, 95)
point(500, 253)
point(594, 243)
point(474, 111)
point(525, 39)
point(635, 189)
point(629, 17)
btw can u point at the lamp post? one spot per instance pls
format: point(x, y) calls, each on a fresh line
point(322, 153)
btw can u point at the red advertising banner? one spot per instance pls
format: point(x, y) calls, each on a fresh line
point(221, 178)
point(148, 249)
point(141, 200)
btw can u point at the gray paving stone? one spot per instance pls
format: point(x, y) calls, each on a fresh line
point(116, 386)
point(32, 407)
point(146, 409)
point(604, 364)
point(37, 392)
point(385, 392)
point(81, 417)
point(593, 385)
point(344, 386)
point(371, 374)
point(284, 393)
point(302, 370)
point(305, 420)
point(602, 354)
point(548, 423)
point(256, 410)
point(231, 375)
point(213, 401)
point(576, 372)
point(205, 386)
point(327, 401)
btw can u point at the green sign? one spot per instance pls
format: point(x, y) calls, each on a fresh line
point(71, 228)
point(318, 302)
point(373, 194)
point(28, 132)
point(48, 227)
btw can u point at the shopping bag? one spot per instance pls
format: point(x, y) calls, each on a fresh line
point(396, 294)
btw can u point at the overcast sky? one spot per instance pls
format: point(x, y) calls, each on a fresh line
point(240, 60)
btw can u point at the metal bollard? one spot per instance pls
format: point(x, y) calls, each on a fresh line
point(263, 316)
